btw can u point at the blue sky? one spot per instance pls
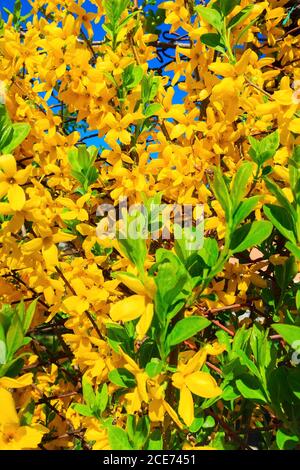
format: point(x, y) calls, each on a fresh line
point(99, 34)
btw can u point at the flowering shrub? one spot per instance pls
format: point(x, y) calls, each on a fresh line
point(149, 343)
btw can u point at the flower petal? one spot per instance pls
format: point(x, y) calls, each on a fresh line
point(23, 381)
point(16, 197)
point(145, 321)
point(8, 414)
point(186, 406)
point(8, 165)
point(32, 246)
point(50, 255)
point(203, 385)
point(128, 309)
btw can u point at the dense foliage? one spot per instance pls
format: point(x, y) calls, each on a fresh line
point(124, 343)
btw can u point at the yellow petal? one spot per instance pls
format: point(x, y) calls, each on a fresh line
point(128, 309)
point(28, 437)
point(215, 348)
point(4, 187)
point(16, 197)
point(141, 380)
point(186, 406)
point(145, 321)
point(226, 70)
point(79, 286)
point(203, 385)
point(8, 165)
point(8, 413)
point(283, 97)
point(76, 304)
point(196, 362)
point(32, 246)
point(50, 255)
point(295, 126)
point(23, 381)
point(177, 130)
point(172, 413)
point(5, 208)
point(63, 237)
point(132, 282)
point(133, 367)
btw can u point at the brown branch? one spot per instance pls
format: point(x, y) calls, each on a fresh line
point(259, 89)
point(213, 367)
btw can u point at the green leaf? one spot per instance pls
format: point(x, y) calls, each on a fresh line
point(282, 220)
point(222, 194)
point(154, 367)
point(172, 283)
point(83, 410)
point(228, 5)
point(132, 240)
point(264, 149)
point(245, 208)
point(188, 240)
point(14, 337)
point(122, 377)
point(281, 198)
point(210, 251)
point(147, 349)
point(132, 76)
point(186, 328)
point(213, 40)
point(250, 235)
point(27, 414)
point(102, 398)
point(294, 171)
point(286, 440)
point(248, 363)
point(240, 17)
point(249, 387)
point(118, 438)
point(290, 333)
point(88, 393)
point(155, 440)
point(2, 351)
point(152, 110)
point(285, 273)
point(294, 249)
point(298, 300)
point(239, 184)
point(29, 315)
point(294, 379)
point(20, 132)
point(141, 432)
point(118, 337)
point(211, 16)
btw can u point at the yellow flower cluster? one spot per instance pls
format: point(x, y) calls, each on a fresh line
point(56, 76)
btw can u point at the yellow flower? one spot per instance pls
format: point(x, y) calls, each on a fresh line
point(136, 306)
point(84, 296)
point(10, 181)
point(12, 435)
point(47, 243)
point(76, 210)
point(190, 380)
